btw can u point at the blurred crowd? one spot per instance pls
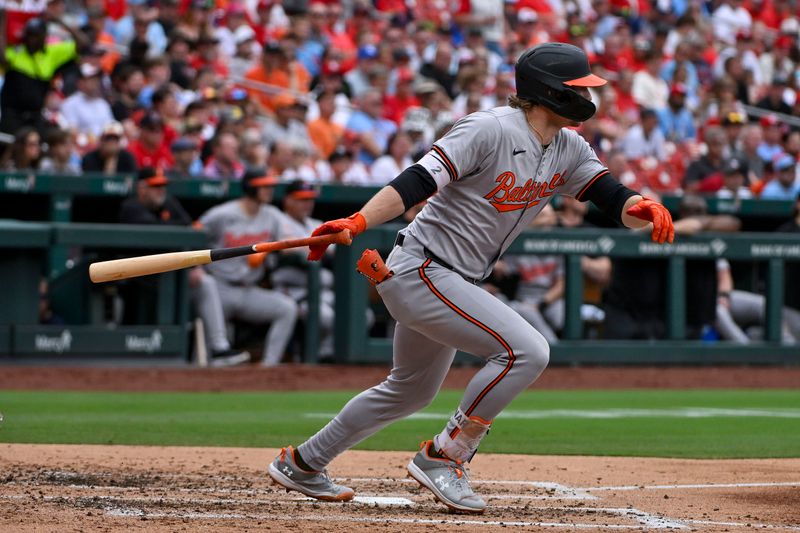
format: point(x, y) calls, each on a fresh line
point(703, 95)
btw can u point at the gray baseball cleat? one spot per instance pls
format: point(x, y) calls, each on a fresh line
point(448, 480)
point(285, 472)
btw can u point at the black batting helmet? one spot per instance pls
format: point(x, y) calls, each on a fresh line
point(254, 178)
point(546, 73)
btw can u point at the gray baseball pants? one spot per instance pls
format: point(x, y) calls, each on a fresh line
point(437, 312)
point(260, 306)
point(749, 309)
point(209, 308)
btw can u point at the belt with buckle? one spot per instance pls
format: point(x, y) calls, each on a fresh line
point(433, 257)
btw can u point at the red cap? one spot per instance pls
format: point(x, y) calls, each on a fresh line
point(678, 88)
point(330, 68)
point(768, 120)
point(404, 75)
point(784, 41)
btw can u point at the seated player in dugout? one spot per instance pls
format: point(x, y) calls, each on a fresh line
point(494, 171)
point(240, 222)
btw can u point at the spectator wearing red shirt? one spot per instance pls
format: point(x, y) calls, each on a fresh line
point(149, 149)
point(626, 103)
point(617, 55)
point(395, 106)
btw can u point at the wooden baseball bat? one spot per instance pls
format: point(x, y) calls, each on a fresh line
point(145, 265)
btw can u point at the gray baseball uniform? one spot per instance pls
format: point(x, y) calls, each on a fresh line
point(293, 281)
point(537, 273)
point(228, 225)
point(493, 177)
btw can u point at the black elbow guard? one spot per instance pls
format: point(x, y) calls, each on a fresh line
point(608, 194)
point(414, 185)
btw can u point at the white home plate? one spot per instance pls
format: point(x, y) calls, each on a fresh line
point(382, 501)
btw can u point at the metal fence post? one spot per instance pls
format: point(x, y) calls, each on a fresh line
point(311, 341)
point(573, 298)
point(350, 320)
point(676, 298)
point(60, 211)
point(774, 299)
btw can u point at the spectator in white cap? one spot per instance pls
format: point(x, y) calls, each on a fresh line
point(86, 111)
point(235, 18)
point(529, 30)
point(245, 53)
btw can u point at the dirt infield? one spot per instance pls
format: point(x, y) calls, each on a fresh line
point(129, 488)
point(122, 488)
point(324, 377)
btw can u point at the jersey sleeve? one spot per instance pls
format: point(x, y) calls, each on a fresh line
point(463, 150)
point(585, 168)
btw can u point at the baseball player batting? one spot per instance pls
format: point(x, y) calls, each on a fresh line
point(492, 173)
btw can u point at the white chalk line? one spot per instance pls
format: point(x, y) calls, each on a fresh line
point(694, 486)
point(675, 412)
point(559, 491)
point(754, 525)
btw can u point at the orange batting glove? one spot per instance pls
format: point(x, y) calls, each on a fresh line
point(356, 223)
point(654, 212)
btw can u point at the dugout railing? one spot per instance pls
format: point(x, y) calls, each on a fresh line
point(354, 345)
point(160, 334)
point(57, 198)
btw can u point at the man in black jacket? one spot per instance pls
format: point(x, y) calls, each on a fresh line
point(109, 157)
point(152, 204)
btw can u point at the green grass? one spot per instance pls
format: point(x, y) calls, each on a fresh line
point(276, 419)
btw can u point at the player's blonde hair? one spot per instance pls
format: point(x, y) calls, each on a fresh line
point(520, 103)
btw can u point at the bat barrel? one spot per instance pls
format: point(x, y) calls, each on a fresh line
point(145, 265)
